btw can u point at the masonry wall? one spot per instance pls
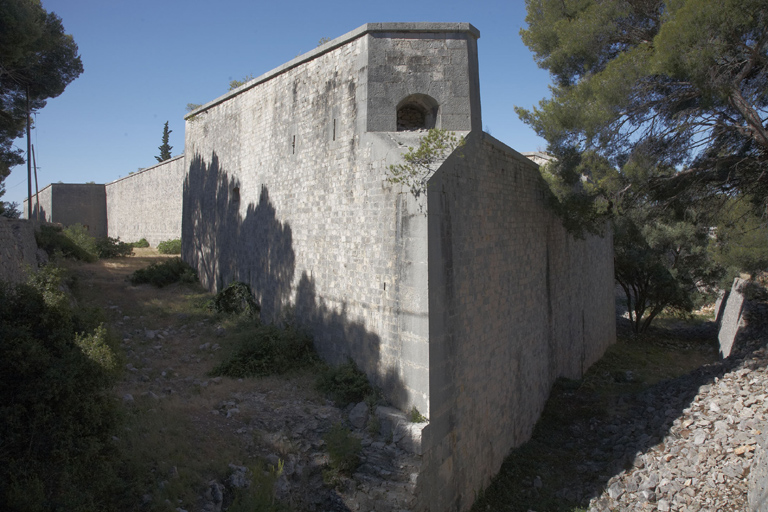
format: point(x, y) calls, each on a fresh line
point(84, 204)
point(42, 203)
point(73, 203)
point(514, 303)
point(286, 191)
point(18, 249)
point(147, 204)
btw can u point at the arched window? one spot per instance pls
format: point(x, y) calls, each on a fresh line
point(417, 112)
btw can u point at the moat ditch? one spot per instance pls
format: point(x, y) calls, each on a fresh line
point(198, 440)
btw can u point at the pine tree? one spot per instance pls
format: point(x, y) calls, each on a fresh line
point(165, 148)
point(684, 82)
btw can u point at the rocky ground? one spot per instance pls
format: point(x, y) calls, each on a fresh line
point(685, 444)
point(217, 430)
point(708, 425)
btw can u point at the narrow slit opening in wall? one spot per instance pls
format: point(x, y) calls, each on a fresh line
point(334, 129)
point(293, 145)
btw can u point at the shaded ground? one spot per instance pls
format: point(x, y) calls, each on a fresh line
point(596, 431)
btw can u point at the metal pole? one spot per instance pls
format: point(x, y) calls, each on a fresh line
point(37, 190)
point(29, 164)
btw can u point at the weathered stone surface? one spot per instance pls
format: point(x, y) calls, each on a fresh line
point(18, 249)
point(758, 475)
point(358, 416)
point(722, 300)
point(148, 203)
point(72, 203)
point(731, 321)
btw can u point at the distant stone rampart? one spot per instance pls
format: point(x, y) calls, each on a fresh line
point(72, 203)
point(147, 204)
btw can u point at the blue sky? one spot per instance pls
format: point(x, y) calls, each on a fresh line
point(145, 60)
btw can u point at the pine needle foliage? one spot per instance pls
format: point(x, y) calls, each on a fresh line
point(165, 148)
point(422, 162)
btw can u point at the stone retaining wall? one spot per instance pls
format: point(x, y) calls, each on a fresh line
point(18, 249)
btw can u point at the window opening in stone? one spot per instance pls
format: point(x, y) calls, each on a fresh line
point(236, 195)
point(410, 118)
point(417, 112)
point(334, 129)
point(293, 145)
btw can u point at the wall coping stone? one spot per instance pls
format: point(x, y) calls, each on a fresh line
point(368, 28)
point(493, 141)
point(145, 169)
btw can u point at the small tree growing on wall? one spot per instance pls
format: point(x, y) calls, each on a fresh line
point(165, 148)
point(419, 164)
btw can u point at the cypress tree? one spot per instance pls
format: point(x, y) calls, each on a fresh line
point(165, 148)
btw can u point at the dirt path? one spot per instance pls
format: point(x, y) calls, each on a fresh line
point(192, 436)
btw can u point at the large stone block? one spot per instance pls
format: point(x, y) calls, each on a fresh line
point(731, 318)
point(758, 477)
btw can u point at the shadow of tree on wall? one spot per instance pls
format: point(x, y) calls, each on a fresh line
point(257, 249)
point(36, 210)
point(338, 338)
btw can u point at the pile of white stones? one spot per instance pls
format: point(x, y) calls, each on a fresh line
point(705, 460)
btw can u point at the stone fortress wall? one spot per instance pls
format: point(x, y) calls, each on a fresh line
point(72, 203)
point(515, 303)
point(465, 301)
point(147, 204)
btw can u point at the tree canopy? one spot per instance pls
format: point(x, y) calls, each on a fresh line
point(36, 58)
point(165, 148)
point(682, 81)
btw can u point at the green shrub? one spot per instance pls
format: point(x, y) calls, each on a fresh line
point(80, 235)
point(141, 243)
point(108, 247)
point(268, 350)
point(54, 242)
point(235, 299)
point(162, 274)
point(75, 242)
point(344, 384)
point(57, 416)
point(259, 496)
point(416, 417)
point(169, 247)
point(343, 450)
